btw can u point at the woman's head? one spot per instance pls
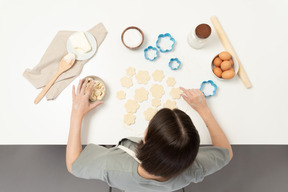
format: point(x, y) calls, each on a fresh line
point(171, 144)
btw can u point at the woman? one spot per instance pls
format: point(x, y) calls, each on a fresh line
point(168, 158)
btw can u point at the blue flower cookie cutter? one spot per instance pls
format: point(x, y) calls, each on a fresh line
point(161, 36)
point(174, 63)
point(202, 88)
point(150, 48)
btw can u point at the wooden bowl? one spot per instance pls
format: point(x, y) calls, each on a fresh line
point(128, 28)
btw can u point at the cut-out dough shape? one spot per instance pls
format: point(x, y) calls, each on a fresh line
point(130, 71)
point(131, 106)
point(175, 93)
point(157, 91)
point(141, 94)
point(170, 81)
point(170, 104)
point(142, 77)
point(121, 95)
point(158, 75)
point(126, 82)
point(129, 119)
point(149, 113)
point(156, 102)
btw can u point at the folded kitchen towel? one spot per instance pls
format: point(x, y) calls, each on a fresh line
point(42, 73)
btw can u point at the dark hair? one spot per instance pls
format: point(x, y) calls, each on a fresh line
point(171, 144)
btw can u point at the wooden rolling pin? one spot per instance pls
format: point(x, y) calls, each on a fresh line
point(227, 45)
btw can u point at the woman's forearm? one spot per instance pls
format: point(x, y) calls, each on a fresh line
point(74, 146)
point(217, 135)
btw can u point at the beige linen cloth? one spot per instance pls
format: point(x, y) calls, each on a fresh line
point(42, 73)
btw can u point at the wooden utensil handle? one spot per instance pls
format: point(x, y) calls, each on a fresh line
point(227, 45)
point(46, 88)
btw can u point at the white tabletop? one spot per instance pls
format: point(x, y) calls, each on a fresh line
point(257, 30)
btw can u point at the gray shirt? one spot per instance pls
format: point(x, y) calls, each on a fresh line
point(119, 169)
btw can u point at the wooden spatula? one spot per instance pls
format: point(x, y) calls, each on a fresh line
point(66, 63)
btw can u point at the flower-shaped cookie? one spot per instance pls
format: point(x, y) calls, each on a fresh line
point(142, 77)
point(170, 104)
point(158, 75)
point(157, 91)
point(141, 94)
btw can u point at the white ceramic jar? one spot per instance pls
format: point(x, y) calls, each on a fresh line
point(198, 36)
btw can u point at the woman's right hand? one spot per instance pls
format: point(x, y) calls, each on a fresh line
point(195, 98)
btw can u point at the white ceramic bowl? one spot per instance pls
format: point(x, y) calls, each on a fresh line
point(235, 67)
point(95, 78)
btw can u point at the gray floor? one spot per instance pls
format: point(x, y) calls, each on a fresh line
point(42, 169)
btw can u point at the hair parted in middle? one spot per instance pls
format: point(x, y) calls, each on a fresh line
point(171, 144)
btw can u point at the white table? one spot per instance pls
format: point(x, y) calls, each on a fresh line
point(257, 30)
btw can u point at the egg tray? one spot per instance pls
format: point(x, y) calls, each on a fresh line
point(212, 84)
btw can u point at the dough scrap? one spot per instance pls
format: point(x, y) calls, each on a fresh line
point(130, 71)
point(156, 102)
point(175, 93)
point(129, 119)
point(149, 113)
point(121, 95)
point(158, 75)
point(141, 94)
point(131, 106)
point(98, 90)
point(157, 91)
point(126, 82)
point(170, 104)
point(142, 77)
point(170, 81)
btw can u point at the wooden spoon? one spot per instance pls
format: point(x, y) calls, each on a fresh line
point(66, 63)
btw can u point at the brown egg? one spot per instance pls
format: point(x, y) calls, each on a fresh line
point(217, 62)
point(229, 74)
point(231, 61)
point(225, 65)
point(224, 55)
point(217, 71)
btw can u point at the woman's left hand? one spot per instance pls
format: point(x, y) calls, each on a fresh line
point(81, 105)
